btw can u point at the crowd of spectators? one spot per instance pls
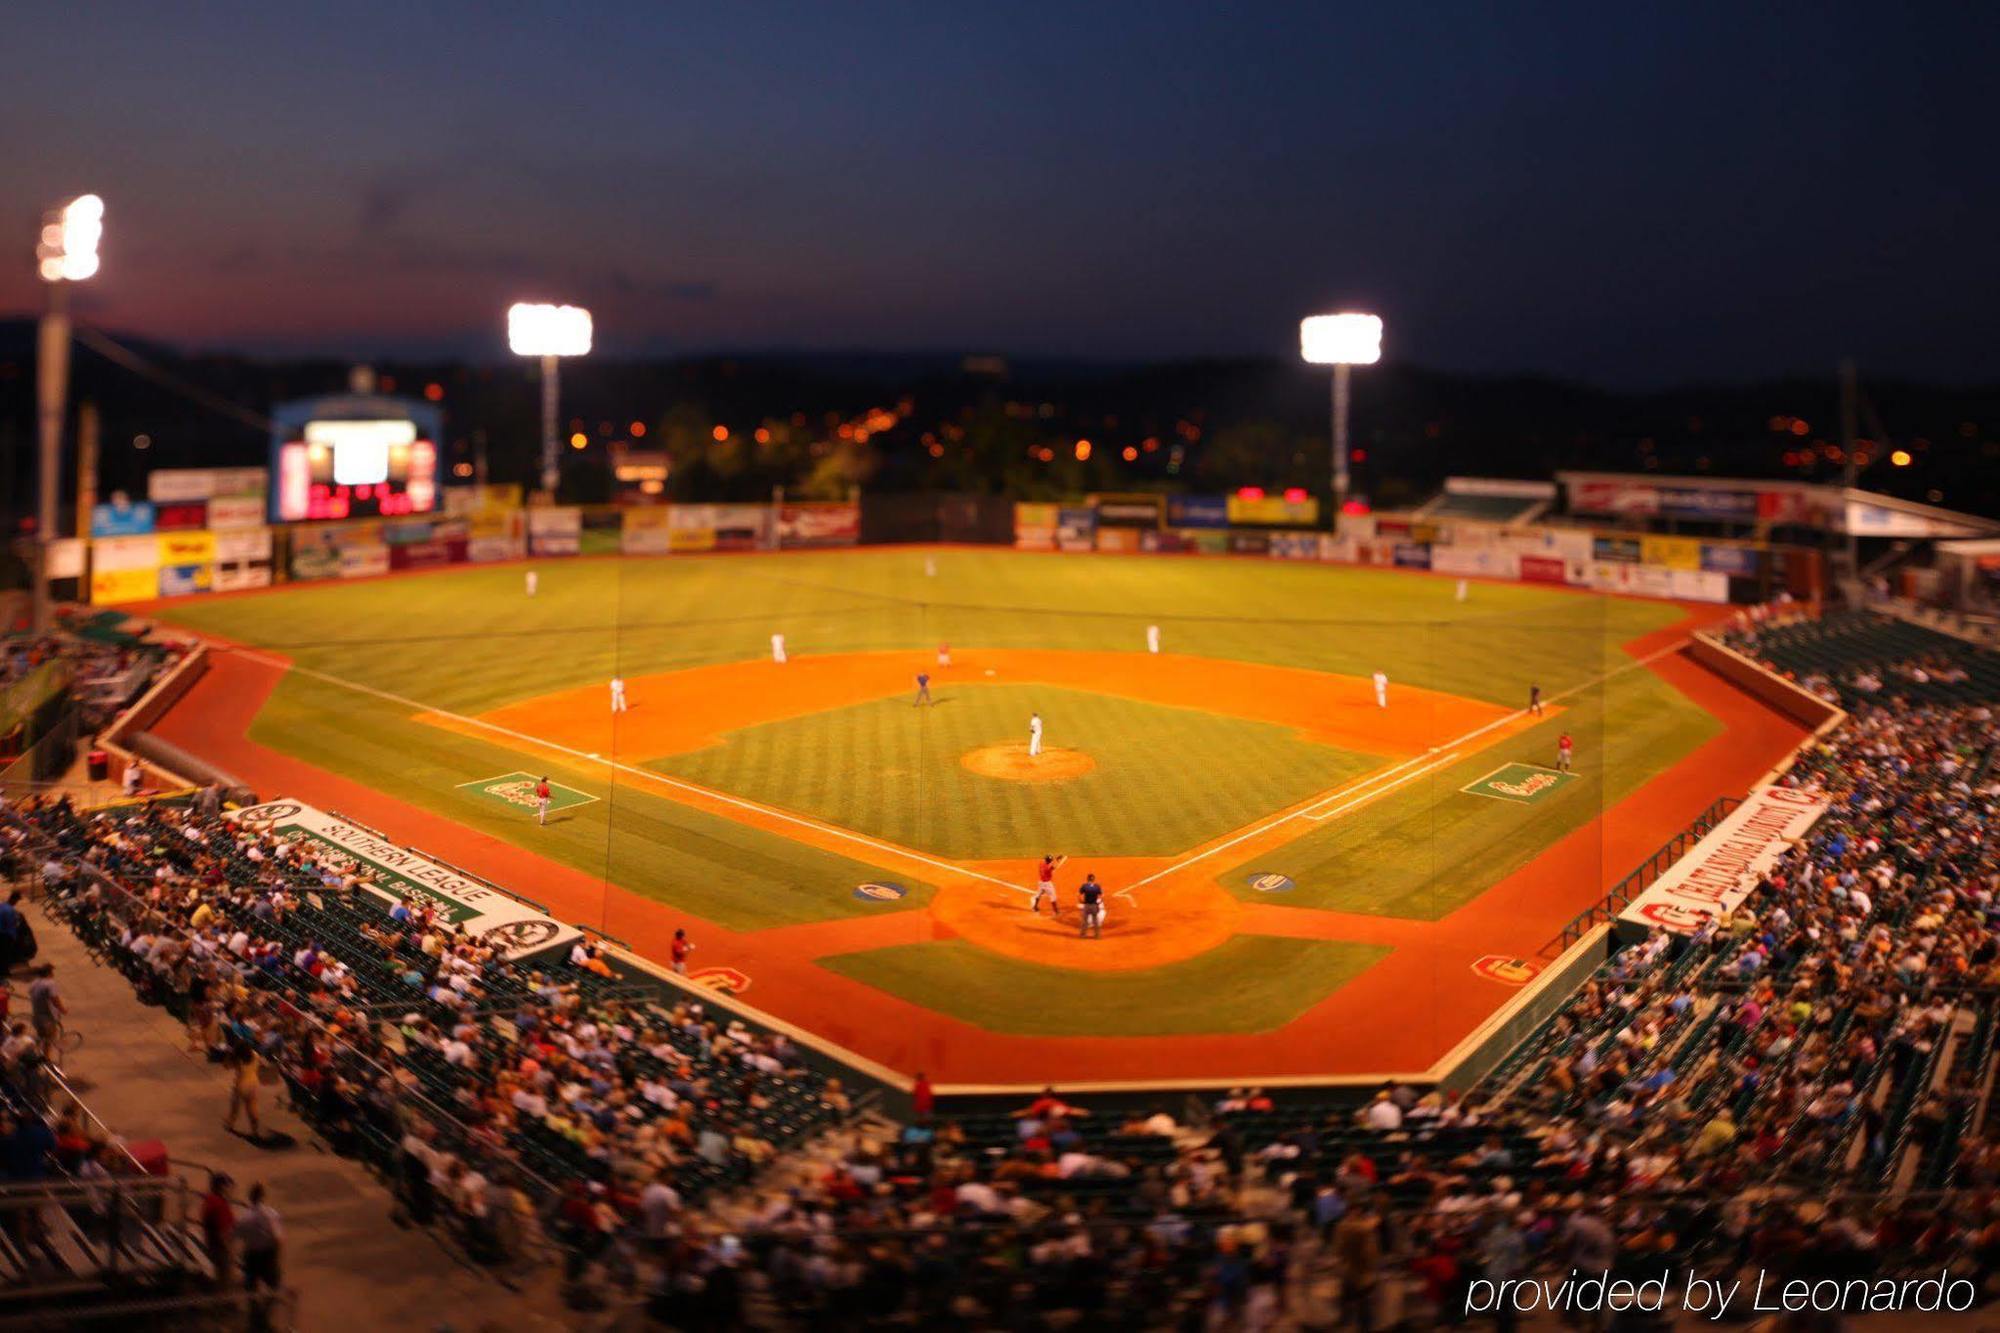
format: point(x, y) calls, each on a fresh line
point(505, 1098)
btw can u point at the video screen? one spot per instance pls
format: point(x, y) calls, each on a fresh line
point(356, 469)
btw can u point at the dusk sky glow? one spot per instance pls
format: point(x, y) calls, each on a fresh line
point(1629, 194)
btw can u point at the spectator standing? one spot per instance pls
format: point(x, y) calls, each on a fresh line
point(46, 1007)
point(218, 1224)
point(260, 1240)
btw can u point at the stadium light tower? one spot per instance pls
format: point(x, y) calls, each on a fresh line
point(549, 332)
point(66, 253)
point(1340, 341)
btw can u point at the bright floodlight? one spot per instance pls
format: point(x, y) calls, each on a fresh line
point(548, 330)
point(1341, 340)
point(68, 252)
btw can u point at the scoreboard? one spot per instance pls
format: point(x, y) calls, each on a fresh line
point(354, 456)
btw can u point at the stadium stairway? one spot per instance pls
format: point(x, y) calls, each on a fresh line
point(350, 1264)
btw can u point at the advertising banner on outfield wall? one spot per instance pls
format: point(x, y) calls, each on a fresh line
point(835, 523)
point(235, 578)
point(1118, 539)
point(109, 586)
point(1412, 555)
point(1249, 542)
point(1076, 528)
point(186, 548)
point(392, 872)
point(186, 580)
point(1625, 550)
point(1197, 511)
point(1719, 872)
point(1724, 558)
point(731, 527)
point(1273, 511)
point(1633, 580)
point(123, 553)
point(1207, 541)
point(647, 531)
point(600, 531)
point(554, 530)
point(1295, 545)
point(1487, 562)
point(1128, 511)
point(180, 515)
point(1671, 552)
point(121, 517)
point(1544, 569)
point(1035, 527)
point(236, 511)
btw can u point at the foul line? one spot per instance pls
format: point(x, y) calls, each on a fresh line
point(723, 798)
point(1367, 795)
point(1474, 734)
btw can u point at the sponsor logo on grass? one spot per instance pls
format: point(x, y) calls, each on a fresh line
point(725, 979)
point(879, 891)
point(1507, 971)
point(516, 791)
point(1523, 783)
point(1270, 881)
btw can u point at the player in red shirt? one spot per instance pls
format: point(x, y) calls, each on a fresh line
point(1045, 885)
point(681, 948)
point(542, 801)
point(1565, 751)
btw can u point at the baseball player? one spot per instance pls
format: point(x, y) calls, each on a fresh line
point(679, 950)
point(923, 687)
point(1535, 700)
point(1463, 588)
point(778, 649)
point(1381, 689)
point(534, 581)
point(618, 704)
point(1565, 753)
point(542, 800)
point(1045, 885)
point(1091, 898)
point(1152, 638)
point(1034, 734)
point(944, 654)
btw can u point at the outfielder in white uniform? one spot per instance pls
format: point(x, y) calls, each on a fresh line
point(1152, 638)
point(618, 704)
point(1381, 689)
point(1034, 734)
point(1463, 588)
point(778, 649)
point(533, 580)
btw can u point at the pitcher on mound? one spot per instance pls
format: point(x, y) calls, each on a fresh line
point(1034, 734)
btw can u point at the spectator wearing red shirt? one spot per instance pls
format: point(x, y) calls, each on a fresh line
point(218, 1224)
point(922, 1099)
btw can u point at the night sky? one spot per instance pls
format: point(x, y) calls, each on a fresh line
point(1629, 193)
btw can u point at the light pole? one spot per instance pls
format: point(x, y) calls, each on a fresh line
point(66, 253)
point(1340, 341)
point(549, 332)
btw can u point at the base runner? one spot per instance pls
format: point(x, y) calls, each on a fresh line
point(1045, 885)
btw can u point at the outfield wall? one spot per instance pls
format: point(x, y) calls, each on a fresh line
point(1686, 569)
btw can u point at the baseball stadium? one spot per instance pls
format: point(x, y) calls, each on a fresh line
point(1283, 855)
point(723, 668)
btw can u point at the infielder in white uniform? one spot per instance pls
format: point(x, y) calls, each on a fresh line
point(1034, 734)
point(618, 704)
point(1381, 689)
point(1463, 588)
point(778, 649)
point(1152, 638)
point(533, 580)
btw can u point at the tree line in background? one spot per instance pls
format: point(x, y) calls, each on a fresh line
point(735, 428)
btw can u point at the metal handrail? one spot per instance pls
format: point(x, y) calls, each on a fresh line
point(1643, 876)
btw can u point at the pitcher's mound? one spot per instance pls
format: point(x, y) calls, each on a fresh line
point(1013, 763)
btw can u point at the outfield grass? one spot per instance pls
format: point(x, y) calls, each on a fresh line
point(1429, 847)
point(1165, 780)
point(1251, 983)
point(741, 877)
point(468, 640)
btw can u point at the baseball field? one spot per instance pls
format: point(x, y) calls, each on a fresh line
point(1302, 878)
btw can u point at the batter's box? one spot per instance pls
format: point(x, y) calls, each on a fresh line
point(1522, 783)
point(516, 791)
